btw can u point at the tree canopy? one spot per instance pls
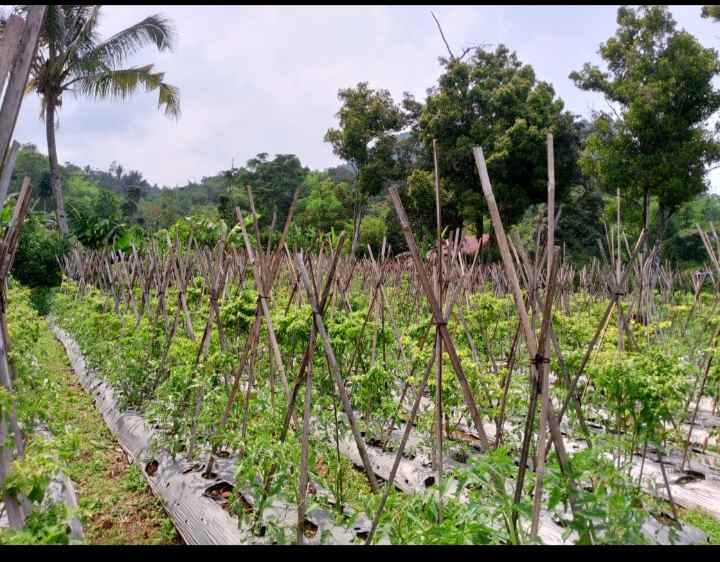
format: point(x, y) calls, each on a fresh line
point(653, 143)
point(659, 85)
point(368, 119)
point(71, 57)
point(496, 102)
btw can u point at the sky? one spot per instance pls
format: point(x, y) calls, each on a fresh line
point(265, 78)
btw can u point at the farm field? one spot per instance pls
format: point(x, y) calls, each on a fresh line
point(115, 504)
point(475, 314)
point(380, 330)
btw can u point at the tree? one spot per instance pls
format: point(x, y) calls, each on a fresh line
point(580, 225)
point(419, 202)
point(683, 244)
point(656, 142)
point(131, 185)
point(45, 190)
point(117, 180)
point(72, 57)
point(130, 205)
point(321, 208)
point(341, 173)
point(711, 12)
point(273, 183)
point(116, 169)
point(98, 222)
point(364, 140)
point(29, 163)
point(494, 101)
point(133, 177)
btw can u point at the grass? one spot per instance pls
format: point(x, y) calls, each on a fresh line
point(703, 521)
point(698, 518)
point(116, 504)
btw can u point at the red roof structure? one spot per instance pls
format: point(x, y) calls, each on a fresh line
point(469, 245)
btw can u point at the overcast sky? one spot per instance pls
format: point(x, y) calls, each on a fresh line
point(265, 78)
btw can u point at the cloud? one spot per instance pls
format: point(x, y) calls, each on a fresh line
point(265, 78)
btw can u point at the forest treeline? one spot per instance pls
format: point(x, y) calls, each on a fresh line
point(651, 151)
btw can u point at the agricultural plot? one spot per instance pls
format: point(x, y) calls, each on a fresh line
point(263, 393)
point(283, 393)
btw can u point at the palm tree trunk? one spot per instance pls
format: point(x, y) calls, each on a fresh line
point(55, 168)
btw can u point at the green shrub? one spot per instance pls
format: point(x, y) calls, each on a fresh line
point(41, 300)
point(372, 231)
point(39, 251)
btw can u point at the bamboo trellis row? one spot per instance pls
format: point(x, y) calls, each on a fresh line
point(137, 278)
point(123, 273)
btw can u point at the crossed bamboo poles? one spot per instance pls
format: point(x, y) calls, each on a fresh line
point(266, 269)
point(710, 354)
point(442, 336)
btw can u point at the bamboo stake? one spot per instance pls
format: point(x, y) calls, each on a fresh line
point(552, 259)
point(335, 371)
point(438, 318)
point(303, 477)
point(408, 427)
point(438, 338)
point(531, 341)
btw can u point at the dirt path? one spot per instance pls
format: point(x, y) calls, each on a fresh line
point(116, 504)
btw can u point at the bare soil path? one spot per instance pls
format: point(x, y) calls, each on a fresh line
point(116, 504)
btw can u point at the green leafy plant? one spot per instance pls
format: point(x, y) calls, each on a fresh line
point(40, 249)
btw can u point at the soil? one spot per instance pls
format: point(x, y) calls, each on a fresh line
point(116, 504)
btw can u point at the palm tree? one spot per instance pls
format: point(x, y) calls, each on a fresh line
point(72, 57)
